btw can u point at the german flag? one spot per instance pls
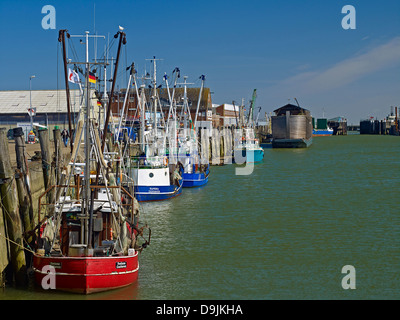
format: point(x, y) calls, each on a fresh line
point(92, 77)
point(98, 103)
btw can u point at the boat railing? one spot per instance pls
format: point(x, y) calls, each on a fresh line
point(141, 162)
point(243, 142)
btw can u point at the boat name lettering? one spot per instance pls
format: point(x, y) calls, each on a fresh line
point(56, 265)
point(120, 264)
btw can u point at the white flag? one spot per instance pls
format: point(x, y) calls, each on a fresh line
point(73, 76)
point(32, 112)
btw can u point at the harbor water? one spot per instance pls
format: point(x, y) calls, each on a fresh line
point(283, 232)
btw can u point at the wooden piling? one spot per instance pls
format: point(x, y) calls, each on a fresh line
point(205, 146)
point(4, 261)
point(216, 147)
point(58, 157)
point(22, 181)
point(46, 157)
point(9, 202)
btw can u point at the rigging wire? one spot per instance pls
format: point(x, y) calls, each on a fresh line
point(72, 47)
point(58, 93)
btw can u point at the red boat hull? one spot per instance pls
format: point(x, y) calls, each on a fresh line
point(88, 274)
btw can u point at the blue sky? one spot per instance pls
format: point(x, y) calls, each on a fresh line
point(284, 49)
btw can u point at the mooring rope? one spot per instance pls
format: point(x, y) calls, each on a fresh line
point(8, 239)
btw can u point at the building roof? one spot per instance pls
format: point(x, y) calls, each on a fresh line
point(45, 101)
point(192, 96)
point(294, 110)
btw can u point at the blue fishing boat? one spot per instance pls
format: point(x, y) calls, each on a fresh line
point(152, 176)
point(157, 193)
point(247, 149)
point(249, 155)
point(196, 178)
point(154, 179)
point(195, 168)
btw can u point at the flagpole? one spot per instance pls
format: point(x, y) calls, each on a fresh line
point(30, 100)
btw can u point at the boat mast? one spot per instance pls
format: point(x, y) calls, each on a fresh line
point(185, 103)
point(236, 115)
point(86, 137)
point(154, 96)
point(61, 38)
point(202, 77)
point(87, 194)
point(105, 87)
point(132, 67)
point(142, 117)
point(185, 107)
point(169, 98)
point(140, 107)
point(122, 39)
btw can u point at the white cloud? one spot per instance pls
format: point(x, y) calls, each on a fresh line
point(346, 71)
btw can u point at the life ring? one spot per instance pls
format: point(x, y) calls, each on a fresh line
point(165, 161)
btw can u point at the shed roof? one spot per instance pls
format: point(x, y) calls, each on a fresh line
point(45, 101)
point(294, 110)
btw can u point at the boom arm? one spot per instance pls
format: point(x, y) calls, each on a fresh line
point(253, 101)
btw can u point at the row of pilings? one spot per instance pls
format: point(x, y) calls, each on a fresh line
point(217, 145)
point(20, 187)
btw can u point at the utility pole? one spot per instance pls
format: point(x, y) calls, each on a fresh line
point(30, 100)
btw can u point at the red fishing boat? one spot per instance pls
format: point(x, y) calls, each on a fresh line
point(88, 230)
point(108, 261)
point(88, 274)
